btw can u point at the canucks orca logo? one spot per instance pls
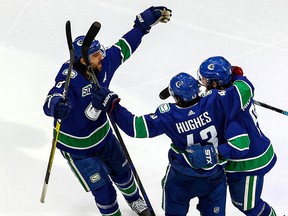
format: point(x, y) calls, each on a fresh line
point(164, 108)
point(95, 177)
point(178, 84)
point(204, 94)
point(80, 42)
point(211, 66)
point(91, 113)
point(73, 73)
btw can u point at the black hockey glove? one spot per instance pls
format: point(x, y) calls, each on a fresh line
point(104, 99)
point(62, 109)
point(152, 16)
point(202, 156)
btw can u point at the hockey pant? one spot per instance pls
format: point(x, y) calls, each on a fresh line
point(245, 194)
point(96, 171)
point(179, 189)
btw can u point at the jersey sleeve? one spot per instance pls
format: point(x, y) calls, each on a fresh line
point(236, 97)
point(245, 90)
point(143, 126)
point(129, 43)
point(238, 141)
point(119, 52)
point(126, 45)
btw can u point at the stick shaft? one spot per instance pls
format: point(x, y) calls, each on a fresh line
point(94, 29)
point(58, 123)
point(270, 107)
point(50, 163)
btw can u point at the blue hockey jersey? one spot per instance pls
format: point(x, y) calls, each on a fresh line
point(204, 122)
point(255, 157)
point(86, 129)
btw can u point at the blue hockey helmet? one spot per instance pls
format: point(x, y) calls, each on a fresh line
point(184, 86)
point(216, 68)
point(77, 45)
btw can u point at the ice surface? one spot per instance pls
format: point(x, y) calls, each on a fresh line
point(251, 34)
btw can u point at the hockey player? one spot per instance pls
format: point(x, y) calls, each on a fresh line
point(85, 139)
point(196, 126)
point(247, 164)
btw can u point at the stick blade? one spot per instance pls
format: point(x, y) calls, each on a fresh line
point(69, 35)
point(164, 94)
point(91, 34)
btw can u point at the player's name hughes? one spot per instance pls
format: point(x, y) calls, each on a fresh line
point(193, 123)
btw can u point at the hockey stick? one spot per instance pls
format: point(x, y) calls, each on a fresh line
point(271, 107)
point(58, 124)
point(164, 94)
point(94, 29)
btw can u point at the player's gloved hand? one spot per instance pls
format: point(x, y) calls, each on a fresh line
point(62, 109)
point(237, 71)
point(165, 14)
point(104, 99)
point(202, 156)
point(152, 16)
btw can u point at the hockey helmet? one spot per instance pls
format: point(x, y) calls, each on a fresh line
point(95, 47)
point(184, 86)
point(216, 68)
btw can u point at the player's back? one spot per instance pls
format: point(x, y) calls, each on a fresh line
point(260, 157)
point(199, 123)
point(202, 123)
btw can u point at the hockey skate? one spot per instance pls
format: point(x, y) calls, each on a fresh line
point(140, 207)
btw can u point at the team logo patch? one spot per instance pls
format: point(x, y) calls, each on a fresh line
point(178, 84)
point(86, 90)
point(73, 73)
point(206, 93)
point(79, 42)
point(211, 66)
point(95, 177)
point(91, 113)
point(216, 210)
point(164, 108)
